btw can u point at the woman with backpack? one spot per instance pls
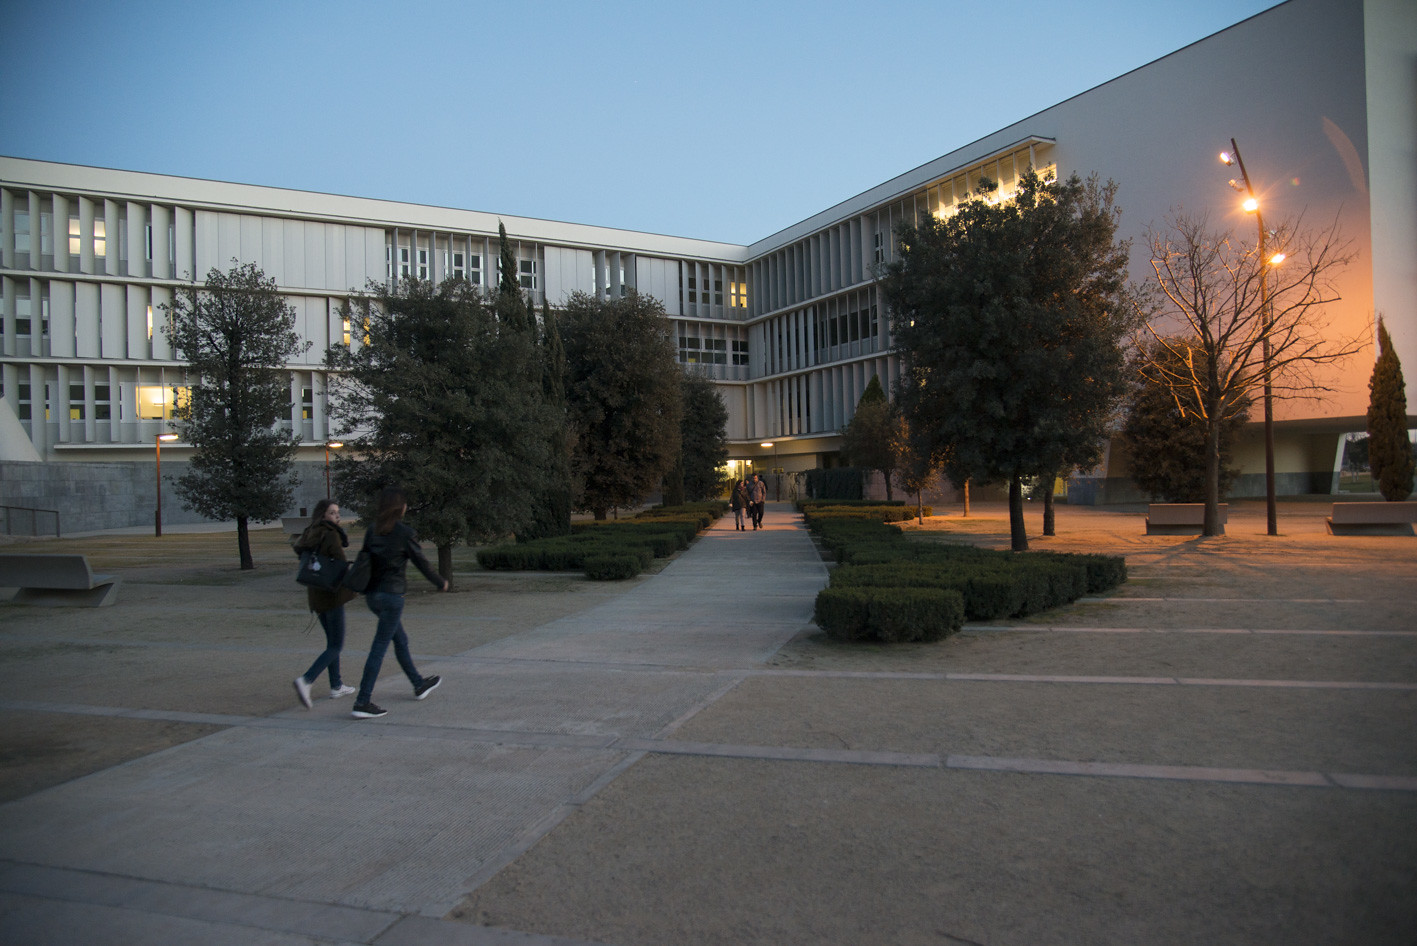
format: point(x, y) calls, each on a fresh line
point(392, 545)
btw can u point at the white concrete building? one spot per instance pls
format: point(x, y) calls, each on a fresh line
point(1319, 94)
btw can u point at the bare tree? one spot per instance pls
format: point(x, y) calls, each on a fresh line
point(1247, 323)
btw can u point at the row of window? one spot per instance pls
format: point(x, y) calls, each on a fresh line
point(457, 263)
point(24, 244)
point(712, 351)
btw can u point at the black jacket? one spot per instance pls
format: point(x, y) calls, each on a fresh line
point(390, 554)
point(329, 540)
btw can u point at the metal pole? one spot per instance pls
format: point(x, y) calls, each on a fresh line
point(1271, 507)
point(157, 517)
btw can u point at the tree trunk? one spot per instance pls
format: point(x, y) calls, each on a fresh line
point(887, 475)
point(445, 563)
point(243, 544)
point(919, 508)
point(599, 514)
point(1018, 532)
point(1048, 523)
point(1211, 524)
point(966, 499)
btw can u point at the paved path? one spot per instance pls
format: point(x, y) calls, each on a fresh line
point(250, 835)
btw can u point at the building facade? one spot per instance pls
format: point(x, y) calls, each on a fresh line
point(1318, 94)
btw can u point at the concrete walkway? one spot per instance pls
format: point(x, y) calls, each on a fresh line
point(1223, 751)
point(314, 825)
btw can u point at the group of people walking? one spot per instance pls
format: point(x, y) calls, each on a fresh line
point(392, 545)
point(748, 499)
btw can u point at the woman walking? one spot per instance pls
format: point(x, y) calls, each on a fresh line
point(325, 536)
point(392, 545)
point(738, 503)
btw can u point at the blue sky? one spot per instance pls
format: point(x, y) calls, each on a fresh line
point(722, 121)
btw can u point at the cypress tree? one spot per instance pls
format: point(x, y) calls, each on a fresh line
point(1389, 449)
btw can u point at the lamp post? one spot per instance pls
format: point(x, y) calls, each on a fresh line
point(1252, 205)
point(777, 477)
point(329, 445)
point(157, 451)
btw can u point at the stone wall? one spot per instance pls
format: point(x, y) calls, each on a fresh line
point(90, 497)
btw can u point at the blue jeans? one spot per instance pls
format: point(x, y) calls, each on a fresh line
point(333, 623)
point(389, 608)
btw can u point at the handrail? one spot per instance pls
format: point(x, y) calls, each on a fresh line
point(10, 511)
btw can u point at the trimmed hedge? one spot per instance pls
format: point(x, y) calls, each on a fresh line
point(608, 551)
point(889, 588)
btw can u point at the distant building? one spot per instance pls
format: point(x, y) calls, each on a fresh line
point(1318, 93)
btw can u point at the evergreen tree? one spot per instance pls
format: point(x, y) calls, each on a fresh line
point(872, 438)
point(1010, 318)
point(446, 400)
point(1165, 440)
point(703, 436)
point(1389, 448)
point(237, 334)
point(623, 399)
point(553, 507)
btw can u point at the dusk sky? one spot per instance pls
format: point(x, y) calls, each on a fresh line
point(722, 121)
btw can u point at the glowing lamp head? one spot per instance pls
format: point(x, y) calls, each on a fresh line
point(167, 438)
point(1250, 205)
point(1276, 259)
point(1225, 158)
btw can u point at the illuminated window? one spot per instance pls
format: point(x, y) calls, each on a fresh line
point(157, 402)
point(738, 295)
point(100, 238)
point(76, 243)
point(344, 331)
point(150, 323)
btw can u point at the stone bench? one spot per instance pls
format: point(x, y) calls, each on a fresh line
point(56, 580)
point(1372, 518)
point(1180, 518)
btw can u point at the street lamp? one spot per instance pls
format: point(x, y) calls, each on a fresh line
point(158, 441)
point(1252, 205)
point(329, 445)
point(777, 477)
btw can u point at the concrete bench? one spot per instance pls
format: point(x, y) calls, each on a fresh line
point(1372, 519)
point(1181, 518)
point(56, 580)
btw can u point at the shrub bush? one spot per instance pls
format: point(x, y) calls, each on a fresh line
point(890, 614)
point(612, 567)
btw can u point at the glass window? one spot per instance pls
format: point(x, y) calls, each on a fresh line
point(404, 267)
point(740, 351)
point(474, 269)
point(23, 402)
point(527, 270)
point(693, 291)
point(458, 264)
point(22, 231)
point(76, 243)
point(422, 264)
point(156, 401)
point(100, 238)
point(76, 402)
point(307, 404)
point(718, 292)
point(102, 406)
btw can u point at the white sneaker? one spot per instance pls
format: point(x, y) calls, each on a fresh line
point(302, 690)
point(345, 690)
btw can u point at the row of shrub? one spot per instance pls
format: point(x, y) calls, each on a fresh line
point(612, 550)
point(888, 588)
point(872, 511)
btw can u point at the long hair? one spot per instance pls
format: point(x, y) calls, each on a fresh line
point(320, 508)
point(389, 509)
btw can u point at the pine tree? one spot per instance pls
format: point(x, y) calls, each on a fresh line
point(1389, 448)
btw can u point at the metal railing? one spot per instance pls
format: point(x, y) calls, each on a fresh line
point(8, 514)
